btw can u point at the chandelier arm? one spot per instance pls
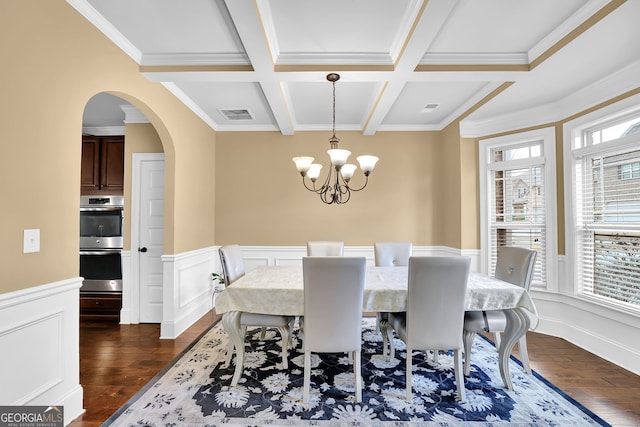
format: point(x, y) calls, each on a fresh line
point(366, 177)
point(330, 185)
point(341, 190)
point(314, 189)
point(327, 196)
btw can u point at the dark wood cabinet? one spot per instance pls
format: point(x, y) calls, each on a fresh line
point(102, 168)
point(105, 306)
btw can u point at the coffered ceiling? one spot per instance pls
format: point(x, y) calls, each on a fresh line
point(404, 64)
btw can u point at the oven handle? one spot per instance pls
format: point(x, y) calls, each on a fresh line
point(102, 252)
point(101, 208)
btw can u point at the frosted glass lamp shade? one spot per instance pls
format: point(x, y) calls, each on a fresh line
point(303, 163)
point(347, 171)
point(314, 171)
point(338, 157)
point(367, 163)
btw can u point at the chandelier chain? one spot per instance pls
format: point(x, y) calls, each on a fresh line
point(334, 109)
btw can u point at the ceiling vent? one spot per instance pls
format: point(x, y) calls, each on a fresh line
point(430, 108)
point(236, 114)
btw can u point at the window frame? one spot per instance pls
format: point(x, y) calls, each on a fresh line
point(548, 161)
point(573, 138)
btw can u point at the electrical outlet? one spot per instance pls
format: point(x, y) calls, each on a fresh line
point(31, 241)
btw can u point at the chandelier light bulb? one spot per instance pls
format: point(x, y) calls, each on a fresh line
point(367, 163)
point(347, 171)
point(303, 163)
point(338, 157)
point(314, 171)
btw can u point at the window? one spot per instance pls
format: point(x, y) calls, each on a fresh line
point(606, 211)
point(629, 170)
point(518, 197)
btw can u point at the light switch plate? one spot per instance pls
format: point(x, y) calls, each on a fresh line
point(31, 241)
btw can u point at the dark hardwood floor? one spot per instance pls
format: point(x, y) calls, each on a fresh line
point(116, 361)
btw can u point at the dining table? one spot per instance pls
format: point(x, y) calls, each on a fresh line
point(279, 290)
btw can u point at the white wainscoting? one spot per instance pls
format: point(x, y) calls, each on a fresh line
point(255, 256)
point(39, 338)
point(603, 331)
point(187, 289)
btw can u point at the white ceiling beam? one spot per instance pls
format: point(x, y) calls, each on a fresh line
point(246, 18)
point(429, 23)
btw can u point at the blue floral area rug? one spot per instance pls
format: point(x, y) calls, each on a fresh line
point(195, 391)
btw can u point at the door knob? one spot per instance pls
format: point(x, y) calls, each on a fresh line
point(142, 249)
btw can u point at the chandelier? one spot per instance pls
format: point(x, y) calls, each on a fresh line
point(335, 188)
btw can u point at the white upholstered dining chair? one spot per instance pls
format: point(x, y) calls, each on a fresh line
point(390, 254)
point(436, 292)
point(333, 296)
point(325, 248)
point(514, 265)
point(233, 269)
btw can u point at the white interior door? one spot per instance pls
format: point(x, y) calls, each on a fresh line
point(150, 218)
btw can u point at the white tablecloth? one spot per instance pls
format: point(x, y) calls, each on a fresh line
point(279, 290)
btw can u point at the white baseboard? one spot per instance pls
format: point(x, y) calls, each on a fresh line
point(606, 333)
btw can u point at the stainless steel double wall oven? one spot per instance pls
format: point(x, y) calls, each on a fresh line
point(101, 242)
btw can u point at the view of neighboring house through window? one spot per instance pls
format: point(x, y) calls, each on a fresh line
point(606, 160)
point(515, 205)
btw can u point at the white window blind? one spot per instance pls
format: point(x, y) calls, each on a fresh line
point(518, 200)
point(608, 221)
point(518, 211)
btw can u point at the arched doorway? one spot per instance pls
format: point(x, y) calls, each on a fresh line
point(106, 118)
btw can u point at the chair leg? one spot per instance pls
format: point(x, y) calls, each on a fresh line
point(409, 365)
point(263, 332)
point(467, 338)
point(357, 370)
point(524, 354)
point(284, 333)
point(385, 343)
point(230, 350)
point(435, 356)
point(496, 340)
point(307, 377)
point(457, 357)
point(388, 349)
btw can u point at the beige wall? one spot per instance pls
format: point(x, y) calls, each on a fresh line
point(469, 195)
point(260, 199)
point(448, 169)
point(54, 61)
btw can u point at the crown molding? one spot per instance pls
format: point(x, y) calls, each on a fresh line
point(194, 59)
point(103, 130)
point(188, 102)
point(618, 83)
point(475, 59)
point(348, 58)
point(133, 115)
point(91, 14)
point(564, 29)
